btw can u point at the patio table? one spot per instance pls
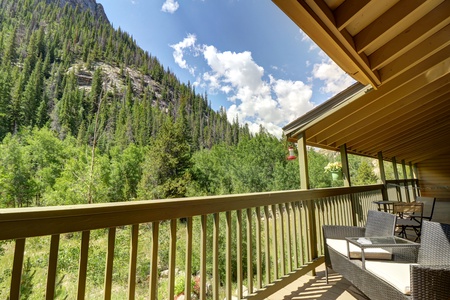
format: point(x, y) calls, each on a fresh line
point(387, 205)
point(377, 242)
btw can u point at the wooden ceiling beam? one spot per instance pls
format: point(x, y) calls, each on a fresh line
point(398, 143)
point(437, 43)
point(396, 133)
point(403, 85)
point(412, 36)
point(422, 145)
point(347, 12)
point(419, 134)
point(326, 17)
point(399, 109)
point(429, 153)
point(391, 23)
point(383, 130)
point(302, 15)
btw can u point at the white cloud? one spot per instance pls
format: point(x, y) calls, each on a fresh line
point(178, 53)
point(334, 78)
point(270, 102)
point(170, 6)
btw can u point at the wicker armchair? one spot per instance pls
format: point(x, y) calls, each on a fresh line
point(378, 224)
point(428, 272)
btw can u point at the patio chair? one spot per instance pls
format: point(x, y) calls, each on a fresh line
point(378, 223)
point(428, 208)
point(409, 216)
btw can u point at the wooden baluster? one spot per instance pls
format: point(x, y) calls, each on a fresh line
point(172, 251)
point(14, 292)
point(154, 261)
point(267, 243)
point(258, 249)
point(275, 241)
point(82, 271)
point(109, 262)
point(282, 240)
point(302, 230)
point(216, 278)
point(52, 264)
point(239, 252)
point(289, 235)
point(249, 252)
point(203, 258)
point(296, 237)
point(133, 262)
point(188, 279)
point(228, 255)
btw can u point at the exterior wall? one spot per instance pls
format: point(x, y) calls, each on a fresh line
point(434, 177)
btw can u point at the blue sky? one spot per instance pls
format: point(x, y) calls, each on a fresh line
point(247, 55)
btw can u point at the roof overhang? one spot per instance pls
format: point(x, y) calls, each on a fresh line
point(399, 48)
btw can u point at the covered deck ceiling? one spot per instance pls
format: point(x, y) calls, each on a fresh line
point(399, 52)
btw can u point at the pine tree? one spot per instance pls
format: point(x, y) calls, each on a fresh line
point(32, 96)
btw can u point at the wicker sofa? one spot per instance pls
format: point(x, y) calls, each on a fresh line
point(407, 273)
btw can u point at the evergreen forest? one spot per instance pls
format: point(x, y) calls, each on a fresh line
point(87, 116)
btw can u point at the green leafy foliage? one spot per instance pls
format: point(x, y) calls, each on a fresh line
point(86, 116)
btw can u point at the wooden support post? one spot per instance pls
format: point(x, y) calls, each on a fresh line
point(414, 182)
point(397, 178)
point(303, 162)
point(347, 180)
point(382, 174)
point(405, 176)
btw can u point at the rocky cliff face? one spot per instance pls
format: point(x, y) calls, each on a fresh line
point(92, 5)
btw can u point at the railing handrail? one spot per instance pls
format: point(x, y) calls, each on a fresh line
point(39, 221)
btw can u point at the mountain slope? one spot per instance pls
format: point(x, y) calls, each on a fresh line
point(91, 5)
point(62, 58)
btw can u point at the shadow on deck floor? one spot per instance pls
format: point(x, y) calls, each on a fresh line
point(309, 288)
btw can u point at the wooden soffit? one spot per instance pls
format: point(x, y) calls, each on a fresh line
point(399, 50)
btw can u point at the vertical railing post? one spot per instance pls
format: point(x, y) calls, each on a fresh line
point(239, 252)
point(154, 261)
point(203, 258)
point(228, 255)
point(258, 248)
point(109, 262)
point(82, 272)
point(267, 243)
point(250, 251)
point(215, 266)
point(52, 267)
point(311, 226)
point(275, 241)
point(172, 256)
point(296, 244)
point(133, 261)
point(188, 271)
point(19, 250)
point(282, 240)
point(289, 235)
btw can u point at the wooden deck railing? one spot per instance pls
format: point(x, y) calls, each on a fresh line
point(405, 190)
point(243, 245)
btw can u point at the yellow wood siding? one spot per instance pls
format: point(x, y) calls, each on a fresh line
point(434, 177)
